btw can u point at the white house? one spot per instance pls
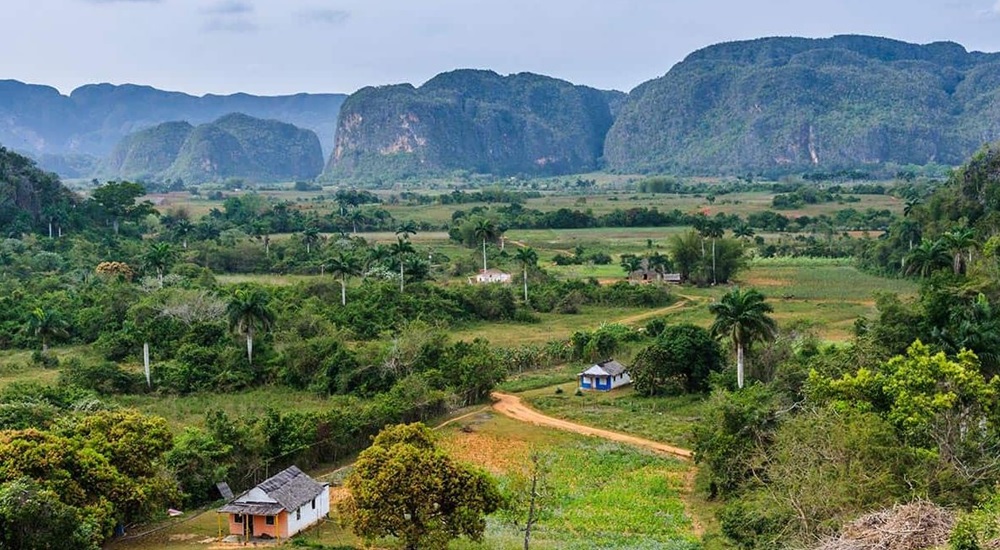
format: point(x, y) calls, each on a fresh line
point(487, 276)
point(604, 376)
point(281, 506)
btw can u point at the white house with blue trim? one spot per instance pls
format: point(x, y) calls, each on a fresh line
point(604, 376)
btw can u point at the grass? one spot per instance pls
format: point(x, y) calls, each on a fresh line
point(544, 378)
point(552, 326)
point(665, 419)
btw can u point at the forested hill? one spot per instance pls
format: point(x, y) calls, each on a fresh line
point(90, 121)
point(29, 198)
point(472, 120)
point(234, 146)
point(777, 105)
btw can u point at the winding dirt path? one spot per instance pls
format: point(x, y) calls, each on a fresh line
point(512, 406)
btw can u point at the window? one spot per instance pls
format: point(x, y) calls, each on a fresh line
point(298, 514)
point(314, 504)
point(269, 520)
point(237, 518)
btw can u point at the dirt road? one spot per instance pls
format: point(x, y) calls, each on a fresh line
point(512, 406)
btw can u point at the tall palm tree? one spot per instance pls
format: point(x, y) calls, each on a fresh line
point(959, 241)
point(182, 229)
point(46, 324)
point(310, 236)
point(399, 250)
point(743, 232)
point(159, 256)
point(343, 265)
point(713, 230)
point(483, 230)
point(527, 257)
point(658, 263)
point(630, 263)
point(249, 312)
point(406, 229)
point(742, 315)
point(926, 258)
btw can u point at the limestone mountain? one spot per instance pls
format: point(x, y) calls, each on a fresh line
point(790, 104)
point(234, 146)
point(471, 120)
point(93, 119)
point(29, 197)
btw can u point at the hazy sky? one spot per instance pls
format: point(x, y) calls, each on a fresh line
point(288, 46)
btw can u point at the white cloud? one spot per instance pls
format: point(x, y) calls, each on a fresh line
point(326, 16)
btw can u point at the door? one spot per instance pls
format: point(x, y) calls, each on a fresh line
point(249, 524)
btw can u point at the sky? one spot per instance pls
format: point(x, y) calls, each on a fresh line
point(273, 47)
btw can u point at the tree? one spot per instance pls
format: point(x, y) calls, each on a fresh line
point(959, 241)
point(310, 236)
point(527, 257)
point(343, 265)
point(249, 311)
point(928, 257)
point(33, 517)
point(712, 229)
point(630, 263)
point(742, 315)
point(406, 229)
point(743, 232)
point(159, 257)
point(680, 359)
point(118, 202)
point(485, 230)
point(403, 486)
point(46, 324)
point(399, 250)
point(684, 251)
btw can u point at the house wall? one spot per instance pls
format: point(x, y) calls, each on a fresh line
point(309, 515)
point(260, 527)
point(235, 528)
point(620, 380)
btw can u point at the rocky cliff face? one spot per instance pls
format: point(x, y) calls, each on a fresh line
point(792, 104)
point(234, 146)
point(471, 120)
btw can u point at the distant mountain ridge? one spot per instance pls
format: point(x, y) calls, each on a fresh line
point(234, 146)
point(793, 104)
point(40, 121)
point(472, 120)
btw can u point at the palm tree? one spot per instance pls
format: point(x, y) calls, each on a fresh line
point(743, 316)
point(356, 216)
point(310, 236)
point(658, 263)
point(406, 229)
point(527, 257)
point(713, 230)
point(400, 249)
point(959, 241)
point(343, 265)
point(630, 263)
point(926, 258)
point(181, 229)
point(485, 229)
point(743, 232)
point(46, 324)
point(159, 257)
point(249, 311)
point(912, 201)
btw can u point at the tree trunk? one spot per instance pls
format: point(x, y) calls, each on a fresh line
point(115, 225)
point(343, 291)
point(145, 364)
point(159, 275)
point(531, 508)
point(739, 365)
point(50, 229)
point(267, 245)
point(957, 263)
point(250, 347)
point(714, 281)
point(59, 231)
point(484, 254)
point(525, 284)
point(401, 277)
point(45, 344)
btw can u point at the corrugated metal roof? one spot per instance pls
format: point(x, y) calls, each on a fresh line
point(290, 487)
point(608, 368)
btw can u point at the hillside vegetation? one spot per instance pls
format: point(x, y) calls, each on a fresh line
point(472, 120)
point(778, 105)
point(233, 146)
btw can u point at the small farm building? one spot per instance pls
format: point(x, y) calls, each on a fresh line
point(280, 507)
point(604, 376)
point(487, 276)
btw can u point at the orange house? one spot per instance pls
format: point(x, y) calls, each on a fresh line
point(280, 507)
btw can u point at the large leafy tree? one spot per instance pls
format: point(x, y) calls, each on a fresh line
point(926, 258)
point(680, 359)
point(960, 242)
point(249, 311)
point(528, 258)
point(743, 316)
point(117, 199)
point(403, 486)
point(34, 517)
